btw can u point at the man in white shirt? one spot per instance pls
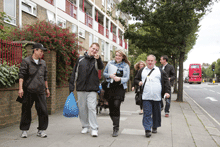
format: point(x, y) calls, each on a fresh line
point(157, 85)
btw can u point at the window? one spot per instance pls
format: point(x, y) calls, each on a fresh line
point(96, 39)
point(74, 28)
point(61, 22)
point(109, 5)
point(90, 39)
point(51, 17)
point(194, 66)
point(61, 4)
point(106, 56)
point(81, 33)
point(103, 2)
point(103, 47)
point(10, 10)
point(29, 7)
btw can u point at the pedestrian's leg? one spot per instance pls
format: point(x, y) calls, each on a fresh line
point(83, 109)
point(26, 112)
point(156, 114)
point(147, 120)
point(41, 107)
point(91, 103)
point(167, 107)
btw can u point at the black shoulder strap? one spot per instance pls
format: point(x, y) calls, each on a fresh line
point(147, 76)
point(38, 67)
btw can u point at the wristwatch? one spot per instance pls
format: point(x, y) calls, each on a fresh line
point(46, 88)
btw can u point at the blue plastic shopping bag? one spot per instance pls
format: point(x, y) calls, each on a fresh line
point(70, 108)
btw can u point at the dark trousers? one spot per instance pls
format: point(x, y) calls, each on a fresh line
point(167, 105)
point(114, 107)
point(152, 114)
point(41, 107)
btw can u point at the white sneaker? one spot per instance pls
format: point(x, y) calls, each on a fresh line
point(85, 130)
point(24, 134)
point(41, 133)
point(94, 133)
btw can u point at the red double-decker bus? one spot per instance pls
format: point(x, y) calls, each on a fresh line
point(195, 73)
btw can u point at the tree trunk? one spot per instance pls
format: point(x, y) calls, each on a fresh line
point(175, 90)
point(180, 81)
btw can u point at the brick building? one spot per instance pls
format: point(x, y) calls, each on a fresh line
point(87, 18)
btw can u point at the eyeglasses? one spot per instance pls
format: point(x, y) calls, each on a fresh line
point(95, 49)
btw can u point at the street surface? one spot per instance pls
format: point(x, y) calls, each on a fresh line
point(208, 97)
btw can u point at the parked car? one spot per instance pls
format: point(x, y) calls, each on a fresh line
point(186, 80)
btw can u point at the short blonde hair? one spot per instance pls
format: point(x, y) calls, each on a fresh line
point(137, 65)
point(125, 58)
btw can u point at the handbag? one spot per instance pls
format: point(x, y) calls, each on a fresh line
point(19, 99)
point(138, 96)
point(70, 108)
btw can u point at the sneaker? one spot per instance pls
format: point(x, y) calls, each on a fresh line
point(41, 133)
point(148, 133)
point(166, 114)
point(85, 130)
point(94, 133)
point(154, 130)
point(24, 134)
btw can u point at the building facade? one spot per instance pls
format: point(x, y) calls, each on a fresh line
point(89, 19)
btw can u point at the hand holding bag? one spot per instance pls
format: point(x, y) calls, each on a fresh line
point(70, 108)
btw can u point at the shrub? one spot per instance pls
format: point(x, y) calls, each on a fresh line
point(54, 38)
point(8, 75)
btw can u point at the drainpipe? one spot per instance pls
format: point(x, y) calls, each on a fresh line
point(20, 15)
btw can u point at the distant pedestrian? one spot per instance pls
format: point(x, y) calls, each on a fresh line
point(156, 86)
point(117, 84)
point(169, 69)
point(87, 85)
point(137, 67)
point(33, 87)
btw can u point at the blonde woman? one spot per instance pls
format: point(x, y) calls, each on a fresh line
point(137, 67)
point(117, 85)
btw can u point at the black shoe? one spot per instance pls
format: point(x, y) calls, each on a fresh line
point(154, 130)
point(115, 133)
point(147, 133)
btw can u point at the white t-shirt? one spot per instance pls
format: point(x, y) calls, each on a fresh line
point(36, 61)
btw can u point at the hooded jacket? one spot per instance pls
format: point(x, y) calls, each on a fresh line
point(87, 79)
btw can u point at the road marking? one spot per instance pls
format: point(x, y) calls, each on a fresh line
point(211, 90)
point(211, 98)
point(203, 109)
point(218, 92)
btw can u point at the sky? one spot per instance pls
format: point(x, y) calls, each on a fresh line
point(207, 47)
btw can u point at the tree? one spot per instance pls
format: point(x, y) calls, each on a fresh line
point(169, 26)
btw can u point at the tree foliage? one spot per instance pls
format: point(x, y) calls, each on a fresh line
point(169, 26)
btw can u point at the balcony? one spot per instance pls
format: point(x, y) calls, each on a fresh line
point(126, 45)
point(88, 20)
point(114, 37)
point(71, 9)
point(50, 1)
point(101, 29)
point(120, 41)
point(107, 33)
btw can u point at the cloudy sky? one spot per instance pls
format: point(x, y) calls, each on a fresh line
point(207, 47)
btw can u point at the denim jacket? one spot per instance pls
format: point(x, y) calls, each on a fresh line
point(126, 72)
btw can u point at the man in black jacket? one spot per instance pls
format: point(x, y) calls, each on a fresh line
point(33, 87)
point(169, 69)
point(156, 86)
point(85, 74)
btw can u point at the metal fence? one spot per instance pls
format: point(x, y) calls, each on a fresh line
point(10, 52)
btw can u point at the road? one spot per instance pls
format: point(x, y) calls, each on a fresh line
point(208, 97)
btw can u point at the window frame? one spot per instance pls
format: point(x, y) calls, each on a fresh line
point(31, 4)
point(13, 18)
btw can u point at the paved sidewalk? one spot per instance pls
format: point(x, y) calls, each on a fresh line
point(187, 126)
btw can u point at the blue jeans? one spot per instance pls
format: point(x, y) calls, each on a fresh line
point(151, 108)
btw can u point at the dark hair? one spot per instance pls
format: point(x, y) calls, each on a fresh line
point(95, 44)
point(165, 57)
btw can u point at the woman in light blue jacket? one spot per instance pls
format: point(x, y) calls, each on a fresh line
point(117, 85)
